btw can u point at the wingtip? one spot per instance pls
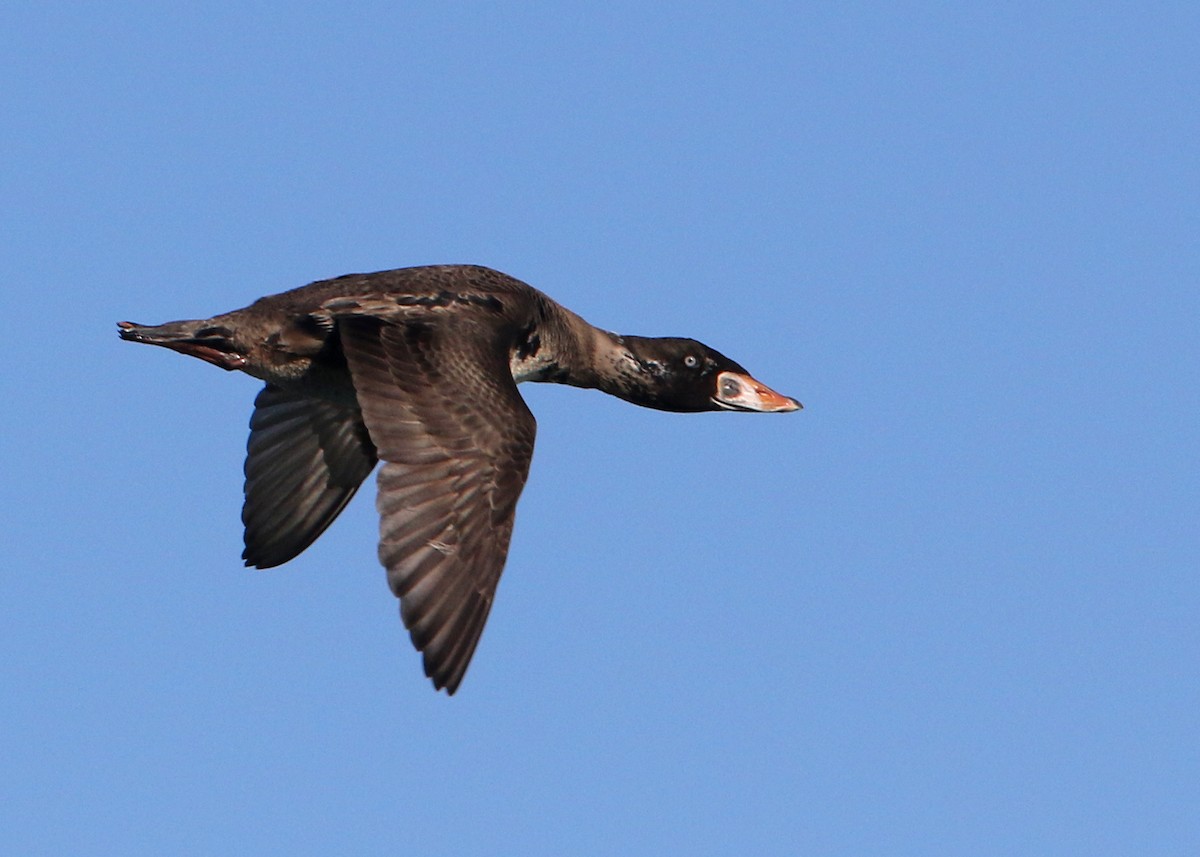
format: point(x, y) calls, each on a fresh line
point(450, 689)
point(441, 678)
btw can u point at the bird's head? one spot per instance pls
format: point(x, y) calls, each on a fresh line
point(684, 375)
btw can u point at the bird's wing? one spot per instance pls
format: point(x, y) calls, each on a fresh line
point(456, 439)
point(304, 461)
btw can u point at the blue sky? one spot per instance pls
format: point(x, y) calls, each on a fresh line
point(949, 608)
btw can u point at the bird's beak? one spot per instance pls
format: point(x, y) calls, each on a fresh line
point(740, 392)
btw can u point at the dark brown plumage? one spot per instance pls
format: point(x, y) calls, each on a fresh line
point(418, 367)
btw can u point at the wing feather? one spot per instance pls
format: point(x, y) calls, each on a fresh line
point(305, 459)
point(456, 439)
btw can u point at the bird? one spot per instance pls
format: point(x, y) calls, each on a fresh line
point(418, 368)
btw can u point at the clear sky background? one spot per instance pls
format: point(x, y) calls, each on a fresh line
point(950, 608)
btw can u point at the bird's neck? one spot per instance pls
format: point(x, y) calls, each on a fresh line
point(621, 370)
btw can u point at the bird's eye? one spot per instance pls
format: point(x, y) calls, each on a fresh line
point(690, 361)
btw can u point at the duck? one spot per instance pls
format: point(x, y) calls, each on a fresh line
point(418, 368)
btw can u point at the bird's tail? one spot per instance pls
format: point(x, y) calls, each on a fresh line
point(201, 338)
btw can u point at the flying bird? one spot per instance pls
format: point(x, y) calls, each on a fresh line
point(418, 368)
